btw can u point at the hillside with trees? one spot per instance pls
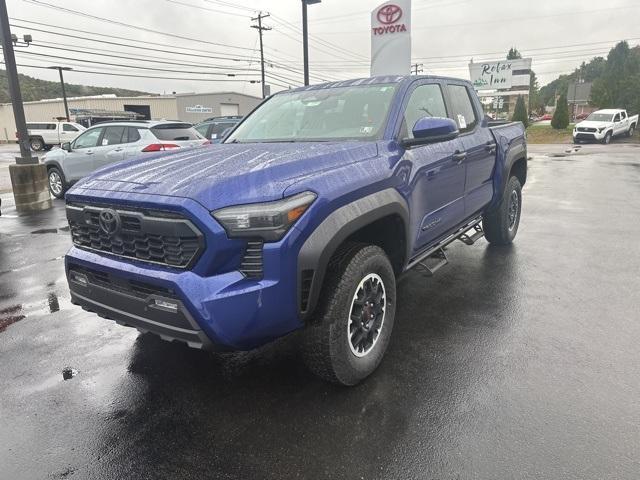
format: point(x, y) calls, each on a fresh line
point(36, 89)
point(616, 80)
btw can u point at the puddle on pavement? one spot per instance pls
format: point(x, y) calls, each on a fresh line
point(45, 230)
point(68, 373)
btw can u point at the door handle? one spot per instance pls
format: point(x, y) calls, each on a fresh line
point(118, 149)
point(459, 156)
point(89, 152)
point(490, 147)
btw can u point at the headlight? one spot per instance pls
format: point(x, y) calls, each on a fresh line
point(269, 220)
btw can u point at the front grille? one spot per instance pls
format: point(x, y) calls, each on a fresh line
point(251, 265)
point(155, 237)
point(586, 129)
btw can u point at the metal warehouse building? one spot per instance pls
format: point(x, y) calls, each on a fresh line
point(188, 107)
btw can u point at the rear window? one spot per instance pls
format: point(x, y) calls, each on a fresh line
point(175, 131)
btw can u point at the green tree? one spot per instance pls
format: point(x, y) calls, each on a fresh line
point(560, 119)
point(513, 54)
point(520, 112)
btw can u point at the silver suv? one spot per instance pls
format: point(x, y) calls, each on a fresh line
point(112, 142)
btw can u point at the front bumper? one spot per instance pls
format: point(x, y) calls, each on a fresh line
point(588, 135)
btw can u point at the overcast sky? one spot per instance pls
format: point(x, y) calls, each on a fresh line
point(446, 34)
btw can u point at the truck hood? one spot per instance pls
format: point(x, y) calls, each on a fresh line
point(592, 124)
point(227, 174)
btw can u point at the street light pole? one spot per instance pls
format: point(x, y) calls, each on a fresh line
point(14, 88)
point(64, 93)
point(305, 38)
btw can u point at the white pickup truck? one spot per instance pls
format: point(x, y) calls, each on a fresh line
point(45, 135)
point(603, 125)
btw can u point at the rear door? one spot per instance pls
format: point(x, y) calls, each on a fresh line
point(111, 148)
point(437, 185)
point(78, 162)
point(477, 143)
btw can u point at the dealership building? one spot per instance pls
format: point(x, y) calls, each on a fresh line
point(187, 107)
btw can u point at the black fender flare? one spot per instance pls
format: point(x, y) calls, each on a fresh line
point(319, 247)
point(514, 153)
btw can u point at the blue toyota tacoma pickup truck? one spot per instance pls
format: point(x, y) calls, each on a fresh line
point(303, 218)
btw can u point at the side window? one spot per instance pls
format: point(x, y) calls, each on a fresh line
point(88, 139)
point(202, 129)
point(69, 128)
point(616, 118)
point(112, 135)
point(132, 135)
point(462, 107)
point(218, 128)
point(425, 101)
point(52, 126)
point(623, 115)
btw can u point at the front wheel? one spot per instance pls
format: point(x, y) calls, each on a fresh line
point(607, 138)
point(501, 225)
point(349, 336)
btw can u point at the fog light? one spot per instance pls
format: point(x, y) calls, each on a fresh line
point(165, 305)
point(79, 278)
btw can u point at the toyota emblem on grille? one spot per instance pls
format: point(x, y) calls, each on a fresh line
point(109, 221)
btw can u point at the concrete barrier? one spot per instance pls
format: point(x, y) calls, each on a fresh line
point(30, 187)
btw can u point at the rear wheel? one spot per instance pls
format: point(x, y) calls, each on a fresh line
point(356, 312)
point(607, 138)
point(57, 184)
point(36, 144)
point(631, 131)
point(501, 225)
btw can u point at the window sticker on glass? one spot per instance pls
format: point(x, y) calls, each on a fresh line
point(462, 122)
point(366, 130)
point(105, 142)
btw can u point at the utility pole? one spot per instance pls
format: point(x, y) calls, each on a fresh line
point(305, 38)
point(260, 29)
point(416, 68)
point(14, 87)
point(28, 177)
point(64, 93)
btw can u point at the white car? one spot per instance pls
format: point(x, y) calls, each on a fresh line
point(603, 125)
point(112, 142)
point(45, 135)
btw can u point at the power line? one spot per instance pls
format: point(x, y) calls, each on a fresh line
point(66, 34)
point(207, 9)
point(127, 25)
point(148, 76)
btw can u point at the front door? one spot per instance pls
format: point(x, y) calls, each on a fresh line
point(437, 178)
point(78, 162)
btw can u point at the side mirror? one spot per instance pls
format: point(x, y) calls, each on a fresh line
point(431, 130)
point(66, 146)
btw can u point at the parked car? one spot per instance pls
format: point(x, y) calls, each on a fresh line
point(603, 125)
point(546, 117)
point(215, 128)
point(302, 219)
point(582, 116)
point(46, 135)
point(112, 142)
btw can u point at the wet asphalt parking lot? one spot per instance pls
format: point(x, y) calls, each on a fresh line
point(511, 363)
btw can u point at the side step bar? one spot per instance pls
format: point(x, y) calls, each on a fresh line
point(437, 250)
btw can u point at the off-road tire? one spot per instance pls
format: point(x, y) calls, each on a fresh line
point(326, 341)
point(36, 144)
point(499, 229)
point(51, 172)
point(607, 138)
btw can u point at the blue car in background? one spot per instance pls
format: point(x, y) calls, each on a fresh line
point(302, 219)
point(214, 128)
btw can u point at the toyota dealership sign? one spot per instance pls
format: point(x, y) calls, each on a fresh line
point(391, 38)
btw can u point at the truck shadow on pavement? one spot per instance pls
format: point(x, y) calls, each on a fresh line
point(261, 414)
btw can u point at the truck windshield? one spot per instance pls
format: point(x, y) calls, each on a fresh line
point(339, 113)
point(600, 117)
